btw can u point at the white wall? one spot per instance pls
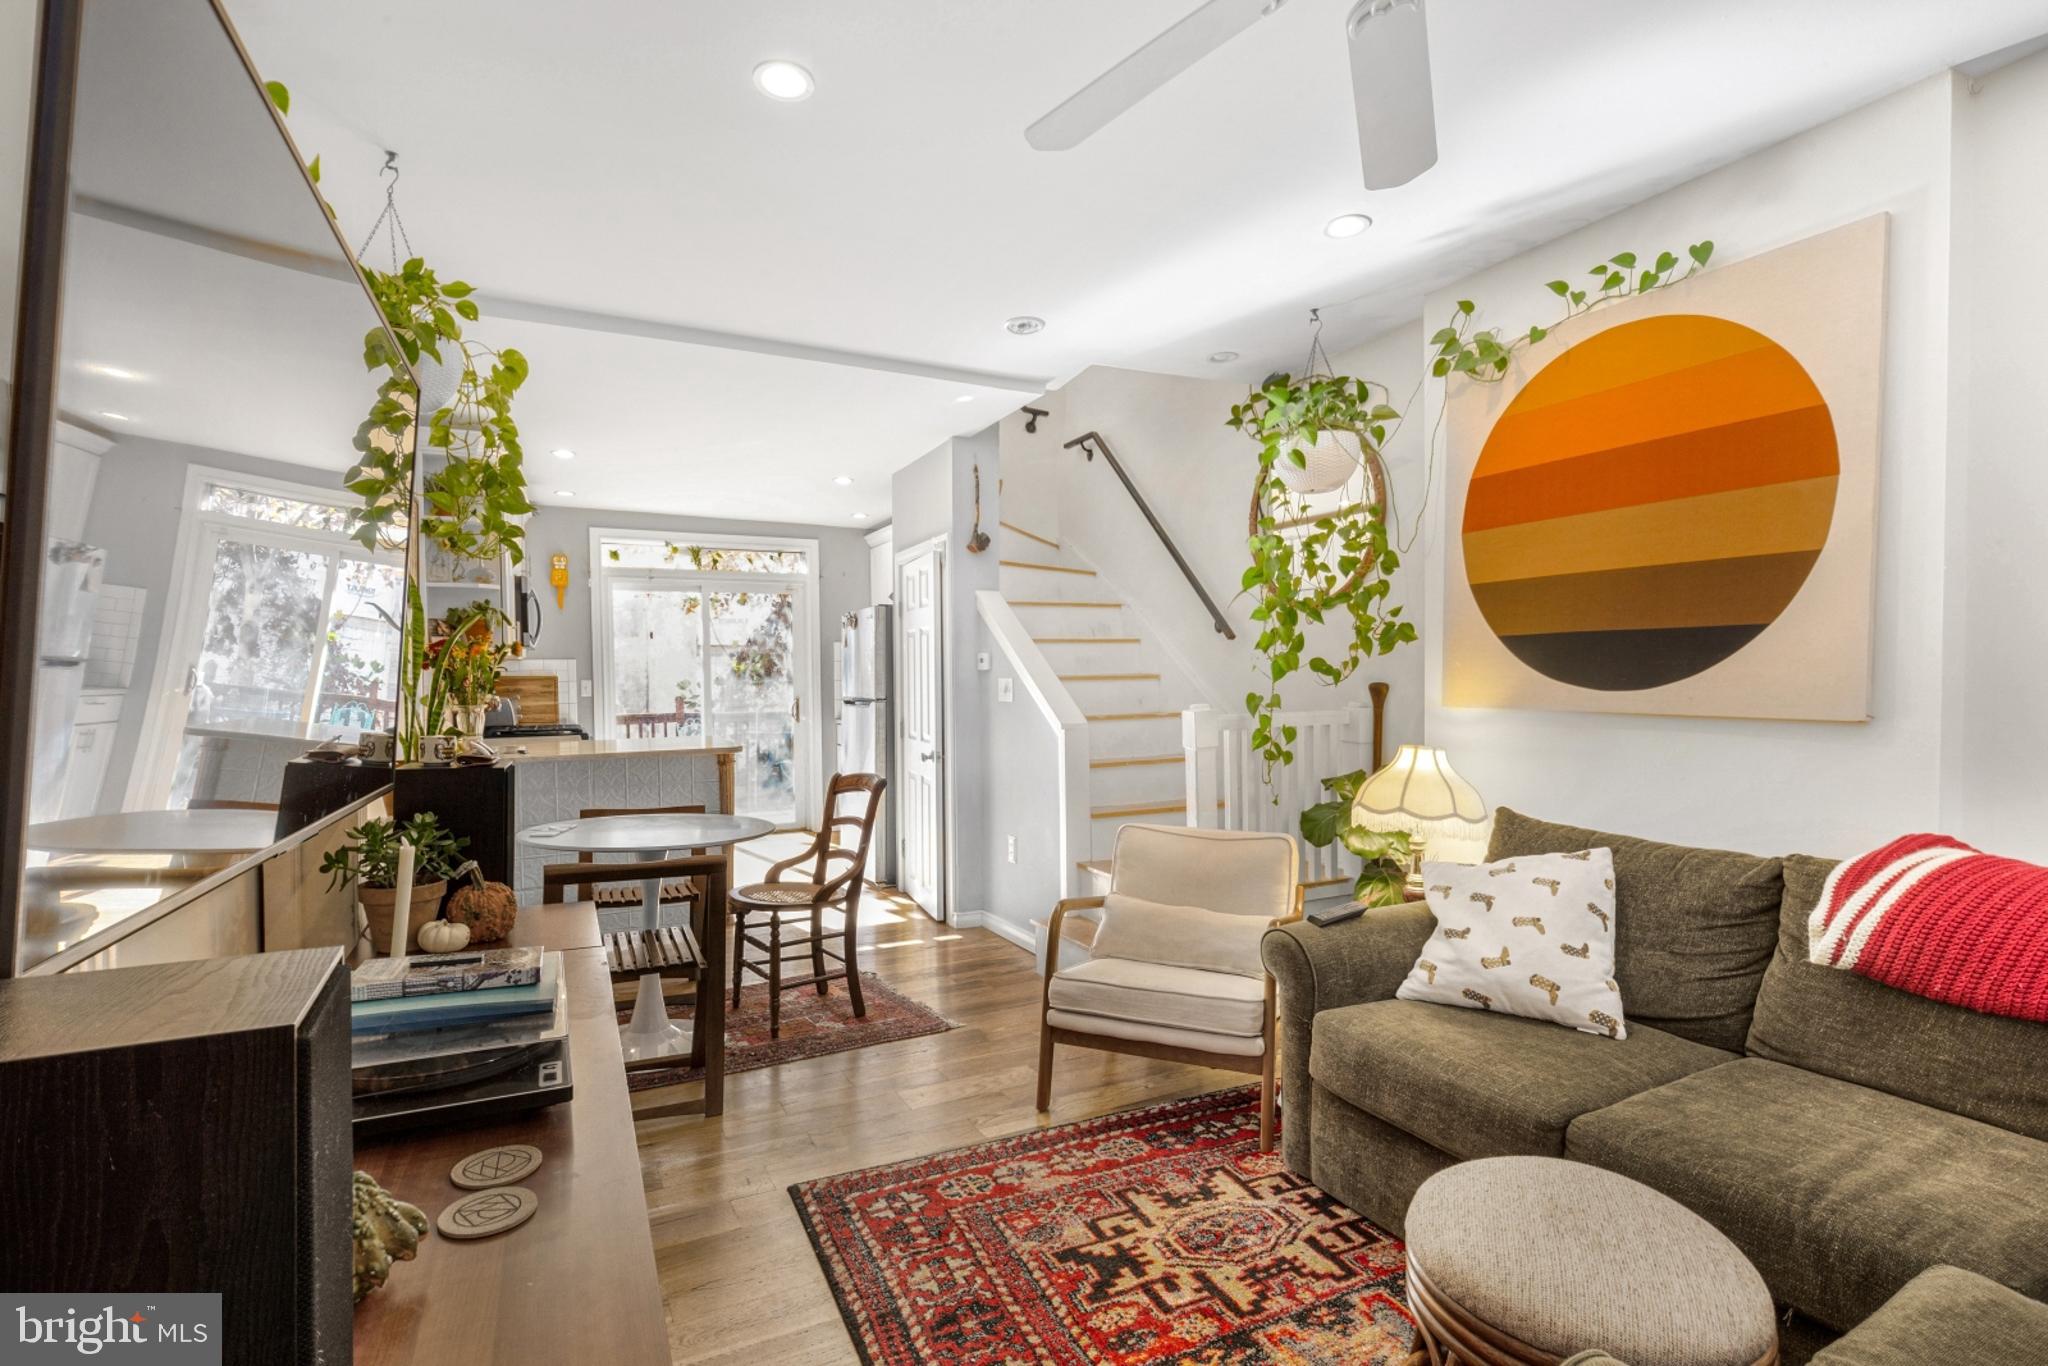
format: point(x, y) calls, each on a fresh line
point(1763, 785)
point(1996, 641)
point(934, 496)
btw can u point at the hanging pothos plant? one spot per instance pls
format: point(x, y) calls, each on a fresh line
point(474, 491)
point(1310, 566)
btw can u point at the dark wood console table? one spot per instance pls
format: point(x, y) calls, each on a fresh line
point(577, 1282)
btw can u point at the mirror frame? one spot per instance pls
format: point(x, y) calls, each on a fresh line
point(31, 428)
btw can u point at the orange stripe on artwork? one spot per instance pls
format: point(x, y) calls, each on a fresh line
point(1635, 409)
point(1777, 449)
point(1675, 341)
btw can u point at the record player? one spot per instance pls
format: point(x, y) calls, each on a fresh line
point(469, 1074)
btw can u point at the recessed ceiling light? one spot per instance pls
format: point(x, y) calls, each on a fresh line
point(843, 480)
point(965, 398)
point(1222, 357)
point(110, 371)
point(563, 453)
point(860, 516)
point(785, 81)
point(565, 493)
point(1347, 225)
point(1025, 326)
point(116, 417)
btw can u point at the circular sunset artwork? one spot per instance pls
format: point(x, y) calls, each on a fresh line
point(1650, 502)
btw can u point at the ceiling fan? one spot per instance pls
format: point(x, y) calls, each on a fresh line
point(1390, 84)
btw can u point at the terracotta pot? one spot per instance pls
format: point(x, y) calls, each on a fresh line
point(426, 905)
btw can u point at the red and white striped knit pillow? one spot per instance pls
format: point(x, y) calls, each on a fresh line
point(1933, 916)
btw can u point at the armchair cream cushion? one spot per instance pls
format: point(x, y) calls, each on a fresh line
point(1236, 872)
point(1180, 936)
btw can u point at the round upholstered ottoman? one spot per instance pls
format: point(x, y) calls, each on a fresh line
point(1533, 1259)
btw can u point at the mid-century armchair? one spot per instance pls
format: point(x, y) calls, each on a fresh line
point(1173, 970)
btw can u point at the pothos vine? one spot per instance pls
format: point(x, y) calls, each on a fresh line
point(1309, 566)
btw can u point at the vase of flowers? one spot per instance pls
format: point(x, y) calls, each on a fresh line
point(466, 663)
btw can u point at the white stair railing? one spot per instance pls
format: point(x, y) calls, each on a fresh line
point(1228, 790)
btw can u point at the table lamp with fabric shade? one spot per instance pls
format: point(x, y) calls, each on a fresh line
point(1421, 795)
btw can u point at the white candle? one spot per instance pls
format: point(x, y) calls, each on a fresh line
point(401, 904)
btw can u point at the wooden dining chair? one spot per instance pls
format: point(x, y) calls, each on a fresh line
point(612, 894)
point(789, 905)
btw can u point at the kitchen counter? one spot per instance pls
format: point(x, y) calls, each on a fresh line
point(518, 749)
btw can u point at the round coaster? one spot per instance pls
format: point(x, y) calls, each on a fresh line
point(482, 1213)
point(495, 1167)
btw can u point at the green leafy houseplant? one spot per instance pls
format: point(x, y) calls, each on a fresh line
point(475, 488)
point(1309, 566)
point(371, 856)
point(1383, 881)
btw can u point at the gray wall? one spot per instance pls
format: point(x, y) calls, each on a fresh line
point(567, 632)
point(932, 496)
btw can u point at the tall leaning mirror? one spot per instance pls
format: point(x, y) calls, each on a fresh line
point(207, 619)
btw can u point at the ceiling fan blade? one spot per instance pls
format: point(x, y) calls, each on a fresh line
point(1390, 84)
point(1144, 71)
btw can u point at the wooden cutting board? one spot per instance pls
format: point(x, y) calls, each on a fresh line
point(535, 695)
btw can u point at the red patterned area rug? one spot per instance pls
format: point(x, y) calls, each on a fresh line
point(812, 1026)
point(1156, 1236)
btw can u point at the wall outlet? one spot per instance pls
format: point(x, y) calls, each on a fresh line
point(583, 687)
point(1006, 689)
point(1010, 847)
point(981, 661)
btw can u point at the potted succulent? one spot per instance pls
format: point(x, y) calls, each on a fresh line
point(370, 860)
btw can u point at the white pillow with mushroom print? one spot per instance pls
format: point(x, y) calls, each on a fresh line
point(1531, 936)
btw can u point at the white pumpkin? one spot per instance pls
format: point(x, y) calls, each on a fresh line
point(443, 936)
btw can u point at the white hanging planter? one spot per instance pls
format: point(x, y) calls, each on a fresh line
point(438, 379)
point(1331, 464)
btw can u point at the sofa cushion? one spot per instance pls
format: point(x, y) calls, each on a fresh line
point(1693, 928)
point(1989, 1067)
point(1161, 994)
point(1478, 1084)
point(1838, 1193)
point(1949, 1314)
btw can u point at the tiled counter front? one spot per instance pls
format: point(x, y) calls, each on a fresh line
point(554, 789)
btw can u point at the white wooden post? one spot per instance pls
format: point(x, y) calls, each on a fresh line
point(1201, 731)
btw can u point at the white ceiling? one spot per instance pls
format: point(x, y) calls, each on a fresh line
point(614, 159)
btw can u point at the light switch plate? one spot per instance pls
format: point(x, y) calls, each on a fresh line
point(981, 661)
point(583, 688)
point(1006, 689)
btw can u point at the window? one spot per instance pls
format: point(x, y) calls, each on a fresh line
point(277, 509)
point(635, 552)
point(708, 640)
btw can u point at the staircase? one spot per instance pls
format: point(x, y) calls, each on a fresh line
point(1130, 692)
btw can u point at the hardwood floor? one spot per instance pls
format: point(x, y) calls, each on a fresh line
point(739, 1279)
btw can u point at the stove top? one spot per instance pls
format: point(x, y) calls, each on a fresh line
point(563, 730)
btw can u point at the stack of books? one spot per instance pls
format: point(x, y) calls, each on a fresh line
point(441, 990)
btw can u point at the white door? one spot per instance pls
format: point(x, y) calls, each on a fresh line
point(921, 708)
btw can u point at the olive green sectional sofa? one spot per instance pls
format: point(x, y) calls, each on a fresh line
point(1845, 1135)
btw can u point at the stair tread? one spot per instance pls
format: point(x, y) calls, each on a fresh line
point(1084, 640)
point(1138, 761)
point(1029, 535)
point(1158, 808)
point(1049, 568)
point(1108, 678)
point(1059, 602)
point(1132, 716)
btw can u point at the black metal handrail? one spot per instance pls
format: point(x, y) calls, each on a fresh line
point(1090, 443)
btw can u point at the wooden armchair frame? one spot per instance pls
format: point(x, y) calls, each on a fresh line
point(1262, 1066)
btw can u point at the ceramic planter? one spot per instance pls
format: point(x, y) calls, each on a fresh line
point(426, 905)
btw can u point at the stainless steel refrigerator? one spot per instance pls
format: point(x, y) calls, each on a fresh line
point(867, 719)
